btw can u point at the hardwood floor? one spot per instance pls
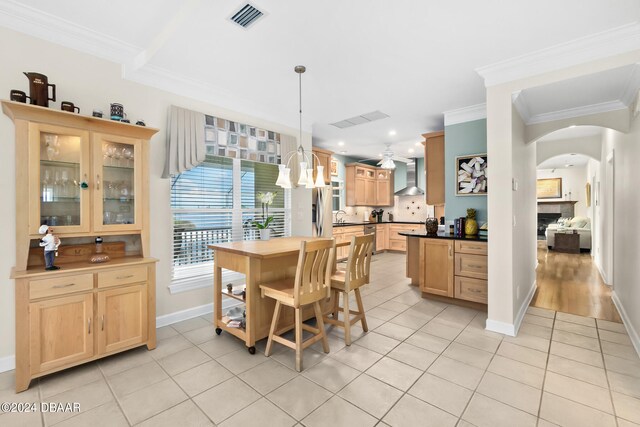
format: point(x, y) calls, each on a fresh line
point(572, 284)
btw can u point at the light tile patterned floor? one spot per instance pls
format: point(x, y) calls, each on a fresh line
point(422, 363)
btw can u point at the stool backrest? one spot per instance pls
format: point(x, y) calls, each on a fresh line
point(359, 261)
point(313, 274)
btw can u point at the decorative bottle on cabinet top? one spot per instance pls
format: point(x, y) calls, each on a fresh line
point(431, 225)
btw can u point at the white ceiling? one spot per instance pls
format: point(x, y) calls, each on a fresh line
point(572, 132)
point(564, 161)
point(409, 59)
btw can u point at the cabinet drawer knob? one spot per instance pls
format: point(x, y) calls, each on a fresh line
point(474, 266)
point(98, 182)
point(476, 291)
point(102, 322)
point(128, 276)
point(68, 285)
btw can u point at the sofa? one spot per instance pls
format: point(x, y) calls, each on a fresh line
point(579, 223)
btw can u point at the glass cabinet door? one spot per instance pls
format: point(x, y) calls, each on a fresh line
point(60, 166)
point(118, 183)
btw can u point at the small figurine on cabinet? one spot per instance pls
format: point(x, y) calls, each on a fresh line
point(50, 244)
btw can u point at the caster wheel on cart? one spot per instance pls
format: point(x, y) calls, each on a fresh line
point(218, 331)
point(252, 350)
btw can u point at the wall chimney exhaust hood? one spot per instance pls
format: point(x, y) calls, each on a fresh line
point(412, 188)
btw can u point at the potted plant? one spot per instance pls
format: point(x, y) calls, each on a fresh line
point(265, 199)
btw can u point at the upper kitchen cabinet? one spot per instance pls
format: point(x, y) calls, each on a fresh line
point(434, 165)
point(82, 175)
point(322, 158)
point(368, 186)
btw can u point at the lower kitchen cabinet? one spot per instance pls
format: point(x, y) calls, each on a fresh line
point(60, 332)
point(64, 318)
point(122, 317)
point(436, 266)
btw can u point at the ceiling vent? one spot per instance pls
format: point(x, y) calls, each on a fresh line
point(361, 119)
point(246, 15)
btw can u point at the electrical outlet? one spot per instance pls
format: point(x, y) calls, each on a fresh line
point(514, 220)
point(514, 184)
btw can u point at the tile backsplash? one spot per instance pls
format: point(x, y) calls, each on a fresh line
point(406, 208)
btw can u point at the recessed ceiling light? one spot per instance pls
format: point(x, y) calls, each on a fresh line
point(392, 132)
point(418, 144)
point(340, 143)
point(343, 152)
point(379, 154)
point(411, 150)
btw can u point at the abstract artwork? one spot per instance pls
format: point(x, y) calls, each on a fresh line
point(471, 175)
point(549, 188)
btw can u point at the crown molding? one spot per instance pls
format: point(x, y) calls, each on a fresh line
point(570, 113)
point(630, 91)
point(465, 114)
point(36, 23)
point(585, 49)
point(519, 101)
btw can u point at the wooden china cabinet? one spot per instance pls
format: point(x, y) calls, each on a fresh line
point(84, 177)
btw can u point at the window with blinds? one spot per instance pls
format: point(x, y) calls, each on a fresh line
point(216, 203)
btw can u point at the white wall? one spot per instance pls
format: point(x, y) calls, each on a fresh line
point(574, 180)
point(94, 83)
point(626, 244)
point(593, 212)
point(590, 146)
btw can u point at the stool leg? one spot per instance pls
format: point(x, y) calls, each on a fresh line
point(363, 320)
point(298, 339)
point(336, 300)
point(272, 330)
point(347, 318)
point(325, 343)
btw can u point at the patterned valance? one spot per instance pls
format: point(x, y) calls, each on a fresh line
point(241, 141)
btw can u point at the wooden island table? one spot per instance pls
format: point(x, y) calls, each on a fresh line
point(260, 261)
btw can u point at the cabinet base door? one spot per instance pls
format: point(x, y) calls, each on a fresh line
point(436, 267)
point(61, 332)
point(122, 318)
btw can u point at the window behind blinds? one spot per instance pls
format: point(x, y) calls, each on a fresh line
point(202, 205)
point(216, 202)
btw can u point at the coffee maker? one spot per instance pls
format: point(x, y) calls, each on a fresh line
point(39, 89)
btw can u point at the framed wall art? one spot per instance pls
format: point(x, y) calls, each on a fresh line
point(471, 175)
point(549, 188)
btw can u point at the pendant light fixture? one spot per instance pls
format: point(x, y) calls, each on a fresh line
point(306, 173)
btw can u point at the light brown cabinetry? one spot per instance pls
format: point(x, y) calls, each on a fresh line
point(434, 167)
point(122, 317)
point(382, 237)
point(344, 234)
point(368, 186)
point(471, 271)
point(455, 269)
point(85, 177)
point(322, 158)
point(436, 266)
point(396, 241)
point(60, 332)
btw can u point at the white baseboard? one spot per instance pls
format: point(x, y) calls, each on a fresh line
point(7, 363)
point(525, 304)
point(500, 327)
point(508, 328)
point(633, 334)
point(602, 275)
point(190, 313)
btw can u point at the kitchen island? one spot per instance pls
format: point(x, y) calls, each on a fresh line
point(454, 267)
point(260, 261)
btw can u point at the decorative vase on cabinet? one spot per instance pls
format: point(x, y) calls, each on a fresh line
point(471, 225)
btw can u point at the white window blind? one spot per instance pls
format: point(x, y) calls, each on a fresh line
point(215, 203)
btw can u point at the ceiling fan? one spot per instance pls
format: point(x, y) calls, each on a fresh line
point(389, 158)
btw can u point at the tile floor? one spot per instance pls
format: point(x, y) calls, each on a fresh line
point(422, 363)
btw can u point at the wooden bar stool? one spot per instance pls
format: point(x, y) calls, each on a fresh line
point(310, 286)
point(345, 281)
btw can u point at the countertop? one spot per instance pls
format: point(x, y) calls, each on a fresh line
point(351, 223)
point(443, 235)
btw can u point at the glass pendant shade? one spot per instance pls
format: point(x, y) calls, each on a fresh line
point(320, 177)
point(284, 179)
point(388, 163)
point(309, 183)
point(302, 179)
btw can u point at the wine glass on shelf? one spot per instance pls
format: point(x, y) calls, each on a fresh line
point(64, 180)
point(53, 146)
point(111, 151)
point(56, 184)
point(117, 154)
point(127, 153)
